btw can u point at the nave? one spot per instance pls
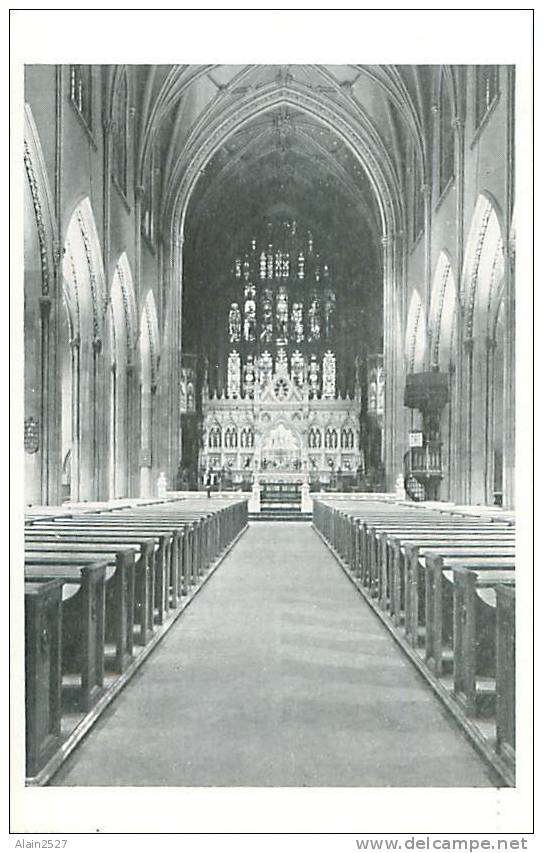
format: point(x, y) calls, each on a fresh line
point(278, 674)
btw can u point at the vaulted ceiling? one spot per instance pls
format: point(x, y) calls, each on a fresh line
point(284, 118)
point(328, 146)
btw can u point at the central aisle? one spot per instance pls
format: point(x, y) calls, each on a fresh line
point(277, 674)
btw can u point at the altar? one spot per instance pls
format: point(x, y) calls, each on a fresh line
point(281, 434)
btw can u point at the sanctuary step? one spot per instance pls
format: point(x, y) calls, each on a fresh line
point(283, 514)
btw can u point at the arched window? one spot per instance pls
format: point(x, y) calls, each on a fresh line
point(486, 90)
point(214, 439)
point(347, 438)
point(446, 136)
point(231, 438)
point(81, 91)
point(246, 437)
point(120, 135)
point(330, 439)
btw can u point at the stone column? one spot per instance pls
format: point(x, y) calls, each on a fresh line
point(99, 422)
point(490, 392)
point(465, 399)
point(509, 380)
point(75, 468)
point(509, 303)
point(388, 359)
point(132, 431)
point(456, 487)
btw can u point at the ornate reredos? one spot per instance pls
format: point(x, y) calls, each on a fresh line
point(280, 388)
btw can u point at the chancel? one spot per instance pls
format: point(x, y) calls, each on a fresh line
point(269, 359)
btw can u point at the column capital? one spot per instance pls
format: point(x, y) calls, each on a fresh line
point(139, 192)
point(458, 124)
point(75, 342)
point(468, 344)
point(97, 345)
point(426, 190)
point(490, 343)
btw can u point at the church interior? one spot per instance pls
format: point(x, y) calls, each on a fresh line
point(269, 342)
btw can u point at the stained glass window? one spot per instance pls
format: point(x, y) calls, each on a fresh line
point(329, 311)
point(297, 322)
point(266, 325)
point(301, 266)
point(234, 375)
point(265, 366)
point(314, 319)
point(313, 376)
point(234, 323)
point(329, 375)
point(249, 327)
point(249, 377)
point(297, 368)
point(282, 312)
point(279, 324)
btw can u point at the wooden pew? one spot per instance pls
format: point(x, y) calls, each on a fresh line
point(83, 616)
point(168, 561)
point(399, 554)
point(144, 569)
point(119, 624)
point(43, 612)
point(505, 671)
point(162, 556)
point(439, 603)
point(408, 568)
point(375, 536)
point(475, 636)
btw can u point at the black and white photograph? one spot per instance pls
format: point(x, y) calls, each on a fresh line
point(266, 352)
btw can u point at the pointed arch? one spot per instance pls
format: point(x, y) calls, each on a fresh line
point(483, 376)
point(483, 262)
point(83, 273)
point(41, 412)
point(84, 297)
point(149, 334)
point(122, 320)
point(442, 314)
